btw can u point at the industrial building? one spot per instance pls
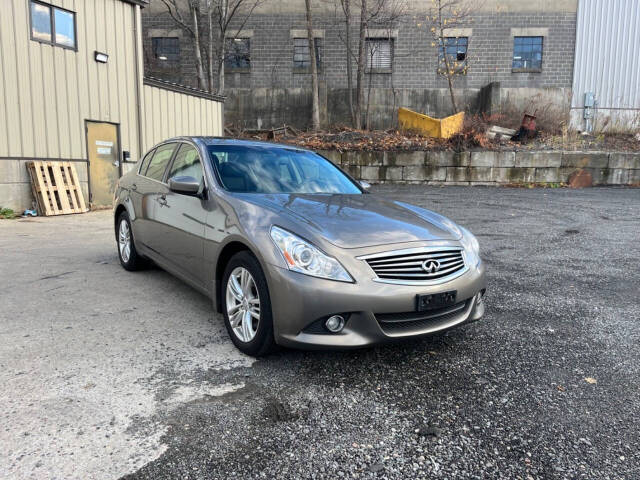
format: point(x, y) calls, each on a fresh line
point(543, 55)
point(72, 88)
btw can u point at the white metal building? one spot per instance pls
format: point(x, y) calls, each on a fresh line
point(606, 77)
point(72, 88)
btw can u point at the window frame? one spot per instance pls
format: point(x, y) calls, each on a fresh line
point(307, 69)
point(148, 154)
point(168, 60)
point(231, 69)
point(370, 68)
point(166, 168)
point(527, 69)
point(52, 22)
point(173, 159)
point(442, 52)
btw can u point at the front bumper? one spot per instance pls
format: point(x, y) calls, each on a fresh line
point(299, 300)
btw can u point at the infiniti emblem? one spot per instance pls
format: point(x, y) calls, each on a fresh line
point(431, 266)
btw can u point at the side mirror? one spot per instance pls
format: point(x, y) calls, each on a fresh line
point(184, 185)
point(366, 186)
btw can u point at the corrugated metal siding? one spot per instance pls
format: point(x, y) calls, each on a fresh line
point(47, 92)
point(170, 114)
point(607, 61)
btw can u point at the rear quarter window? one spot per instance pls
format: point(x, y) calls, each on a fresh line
point(159, 161)
point(145, 162)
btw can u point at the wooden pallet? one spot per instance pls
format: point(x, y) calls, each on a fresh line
point(56, 188)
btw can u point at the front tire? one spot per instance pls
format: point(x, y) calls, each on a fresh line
point(246, 305)
point(129, 257)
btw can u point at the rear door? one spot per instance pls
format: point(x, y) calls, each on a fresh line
point(152, 190)
point(135, 194)
point(182, 219)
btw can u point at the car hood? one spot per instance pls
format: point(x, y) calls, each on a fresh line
point(356, 221)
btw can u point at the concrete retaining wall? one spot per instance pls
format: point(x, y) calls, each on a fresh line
point(487, 168)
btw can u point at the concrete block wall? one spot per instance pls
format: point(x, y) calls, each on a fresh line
point(15, 185)
point(487, 168)
point(272, 92)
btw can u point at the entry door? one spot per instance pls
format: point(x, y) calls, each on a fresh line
point(104, 161)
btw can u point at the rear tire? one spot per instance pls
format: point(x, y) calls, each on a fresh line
point(130, 259)
point(246, 305)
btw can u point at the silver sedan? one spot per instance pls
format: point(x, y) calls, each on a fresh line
point(291, 249)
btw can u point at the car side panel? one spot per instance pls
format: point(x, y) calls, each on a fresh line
point(180, 223)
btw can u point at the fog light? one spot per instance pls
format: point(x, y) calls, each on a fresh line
point(335, 323)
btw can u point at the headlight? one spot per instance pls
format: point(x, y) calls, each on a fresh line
point(301, 256)
point(471, 247)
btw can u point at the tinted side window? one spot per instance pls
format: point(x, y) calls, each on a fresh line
point(186, 163)
point(158, 163)
point(145, 162)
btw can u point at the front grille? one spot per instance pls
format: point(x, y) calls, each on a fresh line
point(410, 266)
point(416, 322)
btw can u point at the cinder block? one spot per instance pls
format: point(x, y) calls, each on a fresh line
point(405, 158)
point(414, 172)
point(617, 176)
point(393, 174)
point(458, 174)
point(371, 174)
point(599, 175)
point(481, 174)
point(585, 159)
point(547, 175)
point(514, 175)
point(440, 159)
point(538, 159)
point(353, 170)
point(492, 159)
point(436, 173)
point(624, 160)
point(362, 158)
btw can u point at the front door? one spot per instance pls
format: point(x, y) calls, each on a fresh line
point(103, 151)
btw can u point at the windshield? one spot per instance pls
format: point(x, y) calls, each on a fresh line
point(258, 169)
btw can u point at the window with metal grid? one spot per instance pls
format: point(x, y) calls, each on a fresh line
point(527, 53)
point(379, 54)
point(301, 57)
point(166, 49)
point(238, 55)
point(455, 48)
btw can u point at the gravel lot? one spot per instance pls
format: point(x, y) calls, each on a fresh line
point(107, 373)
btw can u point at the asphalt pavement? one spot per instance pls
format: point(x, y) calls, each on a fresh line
point(108, 374)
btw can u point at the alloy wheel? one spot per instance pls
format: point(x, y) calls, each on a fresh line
point(124, 240)
point(243, 304)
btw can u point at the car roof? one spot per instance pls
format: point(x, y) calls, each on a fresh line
point(234, 141)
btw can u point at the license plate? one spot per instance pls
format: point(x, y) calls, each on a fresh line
point(436, 300)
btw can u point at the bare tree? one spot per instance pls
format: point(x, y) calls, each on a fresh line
point(192, 26)
point(447, 15)
point(219, 14)
point(315, 108)
point(372, 12)
point(346, 10)
point(226, 12)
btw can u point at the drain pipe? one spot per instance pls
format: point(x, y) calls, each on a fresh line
point(137, 31)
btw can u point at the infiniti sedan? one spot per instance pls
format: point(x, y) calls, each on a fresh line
point(291, 249)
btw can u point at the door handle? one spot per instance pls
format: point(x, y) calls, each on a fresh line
point(162, 200)
point(116, 163)
point(134, 186)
